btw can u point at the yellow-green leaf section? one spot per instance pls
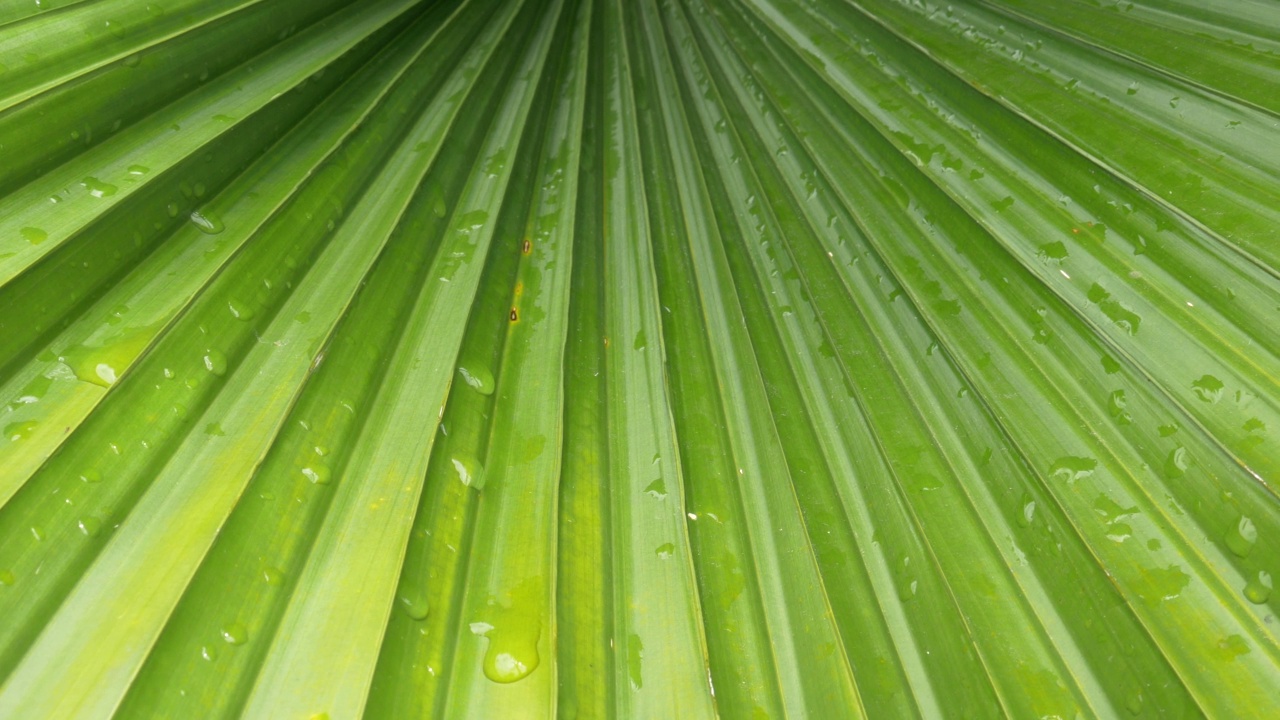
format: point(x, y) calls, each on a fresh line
point(639, 358)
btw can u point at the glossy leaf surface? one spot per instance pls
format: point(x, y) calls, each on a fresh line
point(666, 358)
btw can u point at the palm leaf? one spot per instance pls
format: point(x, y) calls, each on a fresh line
point(671, 358)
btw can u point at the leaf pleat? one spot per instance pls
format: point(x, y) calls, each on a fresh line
point(639, 358)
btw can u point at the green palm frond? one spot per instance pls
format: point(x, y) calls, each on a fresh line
point(644, 359)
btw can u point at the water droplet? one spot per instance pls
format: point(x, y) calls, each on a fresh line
point(1072, 468)
point(97, 188)
point(103, 365)
point(1116, 405)
point(21, 430)
point(139, 169)
point(657, 488)
point(1119, 532)
point(1119, 313)
point(91, 476)
point(1110, 366)
point(272, 575)
point(209, 653)
point(494, 163)
point(1028, 514)
point(1134, 701)
point(214, 429)
point(1157, 585)
point(1242, 536)
point(302, 318)
point(906, 581)
point(240, 310)
point(1052, 252)
point(90, 526)
point(665, 550)
point(478, 377)
point(924, 482)
point(512, 629)
point(468, 470)
point(317, 472)
point(635, 655)
point(235, 634)
point(215, 362)
point(1258, 589)
point(172, 209)
point(34, 235)
point(415, 605)
point(471, 221)
point(116, 28)
point(7, 578)
point(1232, 647)
point(1111, 511)
point(207, 222)
point(1175, 466)
point(34, 391)
point(1208, 388)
